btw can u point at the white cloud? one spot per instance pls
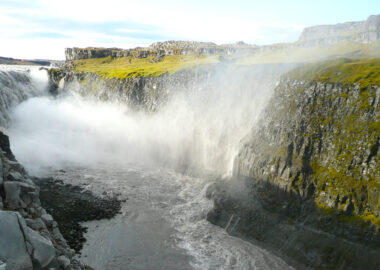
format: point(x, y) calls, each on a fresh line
point(164, 18)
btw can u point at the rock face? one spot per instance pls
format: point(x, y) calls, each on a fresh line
point(160, 49)
point(307, 177)
point(29, 238)
point(361, 32)
point(146, 93)
point(149, 93)
point(321, 141)
point(294, 228)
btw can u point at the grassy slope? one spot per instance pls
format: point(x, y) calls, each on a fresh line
point(127, 67)
point(307, 54)
point(365, 71)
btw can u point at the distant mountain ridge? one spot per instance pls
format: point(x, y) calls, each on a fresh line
point(362, 32)
point(13, 61)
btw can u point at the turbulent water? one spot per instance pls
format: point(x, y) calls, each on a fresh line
point(146, 161)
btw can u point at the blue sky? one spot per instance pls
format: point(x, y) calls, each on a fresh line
point(43, 28)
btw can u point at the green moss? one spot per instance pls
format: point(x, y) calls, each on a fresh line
point(342, 126)
point(365, 71)
point(127, 67)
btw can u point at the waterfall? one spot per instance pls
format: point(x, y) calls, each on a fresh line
point(197, 131)
point(17, 84)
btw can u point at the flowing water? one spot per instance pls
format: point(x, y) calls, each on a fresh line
point(159, 165)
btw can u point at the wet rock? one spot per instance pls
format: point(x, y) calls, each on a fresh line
point(69, 206)
point(64, 261)
point(3, 265)
point(1, 174)
point(12, 195)
point(13, 245)
point(5, 146)
point(26, 243)
point(36, 224)
point(296, 229)
point(48, 219)
point(43, 249)
point(15, 176)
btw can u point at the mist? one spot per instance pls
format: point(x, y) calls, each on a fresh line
point(197, 130)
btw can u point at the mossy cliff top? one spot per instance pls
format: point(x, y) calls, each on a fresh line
point(127, 67)
point(365, 71)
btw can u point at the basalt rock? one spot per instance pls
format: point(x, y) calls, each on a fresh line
point(320, 141)
point(292, 227)
point(310, 171)
point(28, 237)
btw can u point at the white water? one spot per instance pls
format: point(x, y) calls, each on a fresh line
point(198, 130)
point(108, 148)
point(18, 83)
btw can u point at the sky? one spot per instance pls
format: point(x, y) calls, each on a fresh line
point(42, 29)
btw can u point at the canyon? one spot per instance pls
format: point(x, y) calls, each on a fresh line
point(278, 146)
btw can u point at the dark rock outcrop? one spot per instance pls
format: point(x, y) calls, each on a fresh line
point(306, 177)
point(70, 206)
point(319, 140)
point(291, 227)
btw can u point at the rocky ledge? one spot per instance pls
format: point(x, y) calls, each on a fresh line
point(40, 219)
point(30, 238)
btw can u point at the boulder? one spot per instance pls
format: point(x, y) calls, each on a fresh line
point(12, 195)
point(36, 224)
point(13, 248)
point(5, 146)
point(64, 261)
point(15, 176)
point(48, 219)
point(3, 265)
point(43, 249)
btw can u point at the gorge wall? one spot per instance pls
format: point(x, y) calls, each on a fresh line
point(308, 172)
point(321, 141)
point(146, 93)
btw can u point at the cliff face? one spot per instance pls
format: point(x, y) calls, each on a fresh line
point(361, 32)
point(320, 141)
point(306, 179)
point(146, 93)
point(160, 49)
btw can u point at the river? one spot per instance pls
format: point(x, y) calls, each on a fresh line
point(159, 166)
